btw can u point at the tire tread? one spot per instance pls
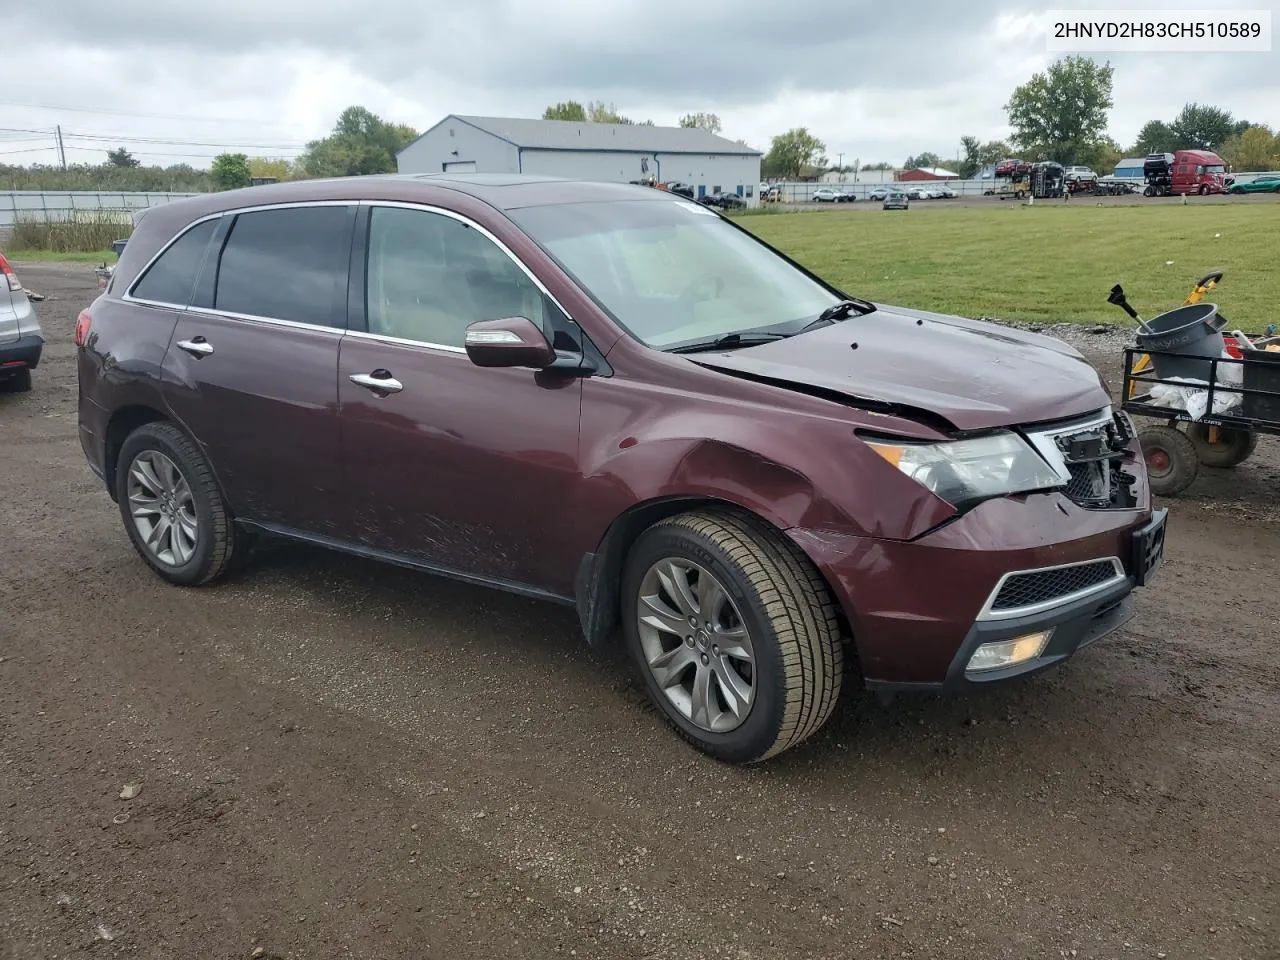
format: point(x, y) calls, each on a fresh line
point(800, 609)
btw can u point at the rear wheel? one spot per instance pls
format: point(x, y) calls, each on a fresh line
point(1172, 464)
point(172, 507)
point(735, 634)
point(1229, 448)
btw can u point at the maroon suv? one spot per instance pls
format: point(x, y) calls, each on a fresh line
point(615, 398)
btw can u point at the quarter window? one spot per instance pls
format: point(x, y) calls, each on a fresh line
point(288, 264)
point(430, 276)
point(173, 276)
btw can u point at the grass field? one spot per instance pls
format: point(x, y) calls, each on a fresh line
point(102, 256)
point(1044, 263)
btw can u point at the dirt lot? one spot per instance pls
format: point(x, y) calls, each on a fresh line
point(340, 759)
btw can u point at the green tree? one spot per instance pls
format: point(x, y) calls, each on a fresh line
point(1057, 114)
point(568, 110)
point(925, 160)
point(702, 121)
point(1155, 137)
point(600, 112)
point(267, 167)
point(361, 143)
point(971, 159)
point(120, 157)
point(791, 152)
point(1102, 157)
point(1201, 127)
point(878, 165)
point(230, 171)
point(993, 151)
point(1254, 150)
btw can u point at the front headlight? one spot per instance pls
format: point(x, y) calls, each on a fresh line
point(964, 471)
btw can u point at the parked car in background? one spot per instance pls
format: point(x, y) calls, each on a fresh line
point(607, 396)
point(1269, 183)
point(724, 200)
point(681, 189)
point(896, 200)
point(947, 193)
point(1078, 175)
point(21, 339)
point(879, 193)
point(825, 195)
point(922, 193)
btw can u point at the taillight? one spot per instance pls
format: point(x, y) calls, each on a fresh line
point(7, 272)
point(83, 322)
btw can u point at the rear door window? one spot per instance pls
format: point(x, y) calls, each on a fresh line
point(172, 277)
point(288, 264)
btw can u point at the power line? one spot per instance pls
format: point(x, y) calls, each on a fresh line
point(7, 153)
point(165, 141)
point(157, 116)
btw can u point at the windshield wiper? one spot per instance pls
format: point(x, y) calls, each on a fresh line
point(839, 310)
point(729, 341)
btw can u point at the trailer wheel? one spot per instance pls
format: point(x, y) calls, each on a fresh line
point(1231, 448)
point(1172, 465)
point(1148, 192)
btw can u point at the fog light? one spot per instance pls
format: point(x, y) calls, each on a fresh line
point(1007, 653)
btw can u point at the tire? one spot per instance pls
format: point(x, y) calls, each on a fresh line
point(19, 382)
point(1204, 191)
point(1233, 447)
point(796, 663)
point(1172, 464)
point(216, 542)
point(1148, 192)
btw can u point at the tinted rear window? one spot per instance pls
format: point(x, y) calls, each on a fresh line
point(288, 264)
point(172, 277)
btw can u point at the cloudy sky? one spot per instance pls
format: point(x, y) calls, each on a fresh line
point(877, 81)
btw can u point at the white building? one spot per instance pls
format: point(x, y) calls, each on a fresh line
point(616, 152)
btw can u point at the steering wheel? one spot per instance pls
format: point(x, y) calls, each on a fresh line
point(693, 293)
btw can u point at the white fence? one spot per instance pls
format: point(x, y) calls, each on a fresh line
point(62, 205)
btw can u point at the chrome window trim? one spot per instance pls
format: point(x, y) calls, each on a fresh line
point(987, 614)
point(404, 341)
point(270, 321)
point(1044, 440)
point(128, 296)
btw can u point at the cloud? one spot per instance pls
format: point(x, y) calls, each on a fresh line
point(875, 82)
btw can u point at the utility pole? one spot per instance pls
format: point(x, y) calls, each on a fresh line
point(840, 161)
point(62, 153)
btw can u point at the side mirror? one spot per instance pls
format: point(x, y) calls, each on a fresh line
point(511, 342)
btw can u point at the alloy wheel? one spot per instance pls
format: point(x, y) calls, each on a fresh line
point(162, 508)
point(696, 645)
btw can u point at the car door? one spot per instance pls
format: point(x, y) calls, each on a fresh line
point(448, 464)
point(252, 367)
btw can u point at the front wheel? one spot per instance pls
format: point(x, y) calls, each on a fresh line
point(1172, 464)
point(735, 634)
point(172, 507)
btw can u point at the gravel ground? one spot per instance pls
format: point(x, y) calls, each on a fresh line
point(337, 759)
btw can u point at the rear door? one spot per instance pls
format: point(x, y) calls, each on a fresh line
point(463, 468)
point(251, 369)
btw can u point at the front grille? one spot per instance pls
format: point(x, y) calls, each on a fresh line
point(1095, 457)
point(1088, 482)
point(1044, 586)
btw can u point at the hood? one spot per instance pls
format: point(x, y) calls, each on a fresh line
point(972, 374)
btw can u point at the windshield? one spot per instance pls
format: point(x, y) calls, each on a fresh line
point(672, 272)
point(1214, 168)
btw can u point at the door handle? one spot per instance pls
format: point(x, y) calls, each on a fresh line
point(197, 346)
point(379, 382)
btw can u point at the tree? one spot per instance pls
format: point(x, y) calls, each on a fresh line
point(1155, 137)
point(361, 143)
point(925, 160)
point(993, 151)
point(1057, 114)
point(702, 121)
point(1254, 150)
point(1201, 127)
point(791, 152)
point(1102, 157)
point(269, 168)
point(970, 163)
point(600, 112)
point(878, 165)
point(120, 157)
point(230, 170)
point(568, 110)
